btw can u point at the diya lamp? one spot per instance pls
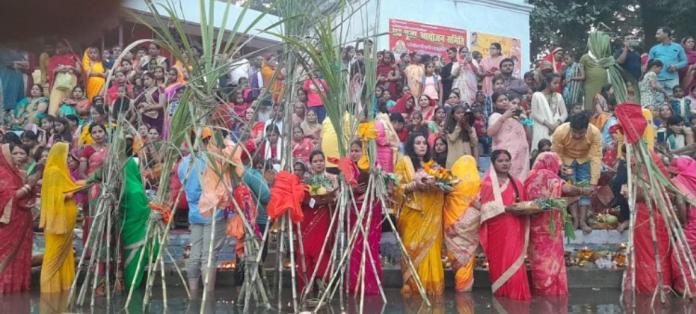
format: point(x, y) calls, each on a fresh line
point(620, 257)
point(585, 254)
point(228, 265)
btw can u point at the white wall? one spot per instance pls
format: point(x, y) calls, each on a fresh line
point(509, 18)
point(189, 10)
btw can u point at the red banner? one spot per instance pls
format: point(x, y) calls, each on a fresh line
point(405, 36)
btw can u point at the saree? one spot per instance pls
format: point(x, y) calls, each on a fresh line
point(58, 215)
point(153, 118)
point(16, 228)
point(572, 91)
point(414, 76)
point(302, 149)
point(57, 95)
point(371, 276)
point(94, 85)
point(11, 78)
point(134, 217)
point(383, 70)
point(465, 79)
point(508, 138)
point(490, 64)
point(315, 230)
point(598, 119)
point(504, 237)
point(545, 108)
point(387, 142)
point(28, 109)
point(546, 253)
point(95, 161)
point(685, 181)
point(456, 218)
point(646, 280)
point(595, 78)
point(420, 227)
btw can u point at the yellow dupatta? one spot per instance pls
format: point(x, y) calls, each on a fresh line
point(461, 222)
point(57, 182)
point(94, 86)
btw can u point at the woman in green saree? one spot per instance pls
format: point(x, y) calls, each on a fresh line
point(134, 217)
point(29, 109)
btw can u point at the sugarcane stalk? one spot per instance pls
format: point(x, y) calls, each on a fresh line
point(683, 246)
point(181, 275)
point(210, 260)
point(164, 284)
point(309, 284)
point(656, 250)
point(98, 251)
point(292, 262)
point(300, 244)
point(281, 252)
point(108, 257)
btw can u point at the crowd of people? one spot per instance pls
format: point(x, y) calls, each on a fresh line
point(544, 134)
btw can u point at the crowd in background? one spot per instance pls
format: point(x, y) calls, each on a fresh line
point(507, 139)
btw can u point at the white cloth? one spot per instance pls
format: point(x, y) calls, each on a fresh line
point(240, 68)
point(542, 111)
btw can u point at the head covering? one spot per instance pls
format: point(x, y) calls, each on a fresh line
point(685, 181)
point(249, 148)
point(548, 161)
point(400, 106)
point(557, 65)
point(56, 182)
point(205, 133)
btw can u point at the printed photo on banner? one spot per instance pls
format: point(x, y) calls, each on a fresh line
point(407, 36)
point(511, 47)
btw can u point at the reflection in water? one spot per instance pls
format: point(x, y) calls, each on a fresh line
point(580, 301)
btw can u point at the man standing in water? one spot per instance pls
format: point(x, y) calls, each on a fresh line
point(579, 144)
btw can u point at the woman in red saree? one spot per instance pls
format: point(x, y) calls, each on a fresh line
point(546, 253)
point(646, 268)
point(91, 158)
point(372, 277)
point(302, 145)
point(16, 228)
point(555, 58)
point(384, 68)
point(315, 230)
point(406, 105)
point(504, 237)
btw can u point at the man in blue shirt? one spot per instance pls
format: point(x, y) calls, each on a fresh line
point(672, 56)
point(629, 59)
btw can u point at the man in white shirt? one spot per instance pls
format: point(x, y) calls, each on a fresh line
point(239, 68)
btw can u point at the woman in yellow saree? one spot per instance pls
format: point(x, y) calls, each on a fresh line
point(419, 219)
point(456, 217)
point(58, 213)
point(95, 77)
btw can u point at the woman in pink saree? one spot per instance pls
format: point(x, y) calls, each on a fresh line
point(372, 277)
point(504, 237)
point(490, 66)
point(546, 253)
point(91, 158)
point(684, 171)
point(508, 132)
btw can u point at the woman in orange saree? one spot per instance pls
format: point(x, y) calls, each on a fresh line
point(95, 77)
point(455, 217)
point(419, 206)
point(546, 253)
point(58, 214)
point(504, 237)
point(16, 228)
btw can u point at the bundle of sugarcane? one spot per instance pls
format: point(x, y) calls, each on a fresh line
point(647, 182)
point(195, 111)
point(103, 242)
point(599, 46)
point(324, 56)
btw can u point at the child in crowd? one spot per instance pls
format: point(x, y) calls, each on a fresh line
point(386, 95)
point(417, 124)
point(543, 147)
point(681, 105)
point(678, 135)
point(572, 80)
point(498, 87)
point(575, 110)
point(431, 84)
point(481, 132)
point(46, 132)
